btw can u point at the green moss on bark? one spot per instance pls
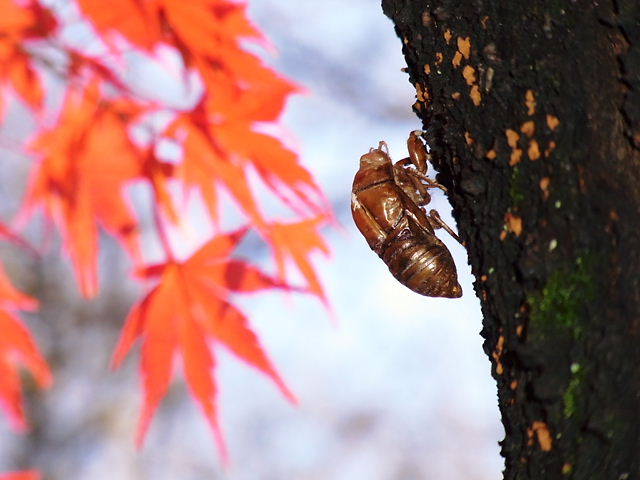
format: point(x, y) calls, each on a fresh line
point(557, 307)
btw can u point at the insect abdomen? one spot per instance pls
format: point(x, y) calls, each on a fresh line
point(422, 264)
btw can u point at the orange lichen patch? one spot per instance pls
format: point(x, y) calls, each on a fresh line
point(519, 330)
point(503, 234)
point(530, 102)
point(476, 98)
point(513, 223)
point(512, 137)
point(542, 433)
point(457, 59)
point(484, 278)
point(550, 148)
point(534, 150)
point(552, 122)
point(456, 95)
point(515, 157)
point(497, 353)
point(512, 141)
point(427, 69)
point(468, 138)
point(447, 36)
point(567, 468)
point(464, 46)
point(491, 154)
point(439, 58)
point(513, 385)
point(544, 186)
point(420, 92)
point(469, 74)
point(528, 128)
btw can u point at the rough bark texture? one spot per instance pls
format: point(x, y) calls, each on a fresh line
point(532, 111)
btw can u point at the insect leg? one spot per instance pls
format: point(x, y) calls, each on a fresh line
point(423, 191)
point(405, 162)
point(431, 183)
point(417, 151)
point(437, 222)
point(410, 185)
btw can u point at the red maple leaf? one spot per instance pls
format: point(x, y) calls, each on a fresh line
point(20, 23)
point(207, 166)
point(296, 241)
point(189, 312)
point(196, 28)
point(136, 21)
point(87, 160)
point(23, 475)
point(17, 348)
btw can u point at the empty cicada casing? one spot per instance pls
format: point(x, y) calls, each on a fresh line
point(386, 204)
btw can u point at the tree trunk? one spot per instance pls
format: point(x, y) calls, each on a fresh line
point(532, 113)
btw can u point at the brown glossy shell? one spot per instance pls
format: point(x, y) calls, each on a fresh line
point(423, 264)
point(399, 231)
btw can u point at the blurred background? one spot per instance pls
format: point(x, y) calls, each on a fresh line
point(393, 386)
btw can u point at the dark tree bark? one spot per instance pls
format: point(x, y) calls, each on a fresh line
point(532, 112)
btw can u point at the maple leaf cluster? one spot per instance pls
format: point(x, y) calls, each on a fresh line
point(106, 137)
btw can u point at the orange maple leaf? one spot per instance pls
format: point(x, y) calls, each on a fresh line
point(196, 28)
point(17, 347)
point(136, 21)
point(202, 28)
point(220, 153)
point(241, 88)
point(16, 70)
point(296, 241)
point(277, 166)
point(23, 475)
point(21, 22)
point(158, 173)
point(188, 312)
point(82, 64)
point(206, 165)
point(87, 159)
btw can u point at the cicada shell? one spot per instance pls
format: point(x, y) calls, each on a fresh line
point(387, 203)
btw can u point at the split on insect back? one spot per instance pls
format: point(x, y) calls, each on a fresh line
point(387, 204)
